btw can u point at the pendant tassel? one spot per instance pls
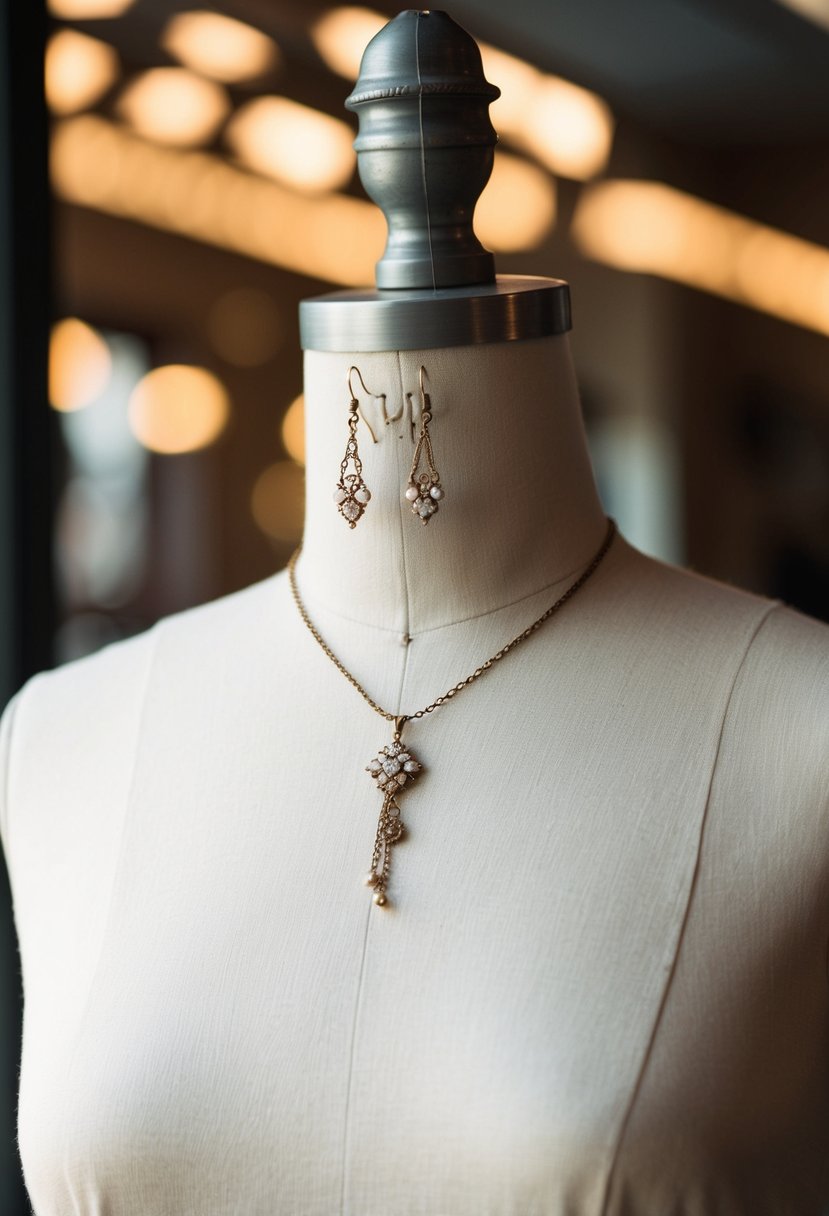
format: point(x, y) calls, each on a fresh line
point(390, 829)
point(392, 770)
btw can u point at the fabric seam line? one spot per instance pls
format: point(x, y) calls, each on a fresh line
point(477, 616)
point(637, 1085)
point(352, 1052)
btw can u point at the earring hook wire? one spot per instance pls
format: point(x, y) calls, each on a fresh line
point(367, 390)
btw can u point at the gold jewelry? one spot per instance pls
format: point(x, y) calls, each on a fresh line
point(395, 766)
point(424, 490)
point(351, 493)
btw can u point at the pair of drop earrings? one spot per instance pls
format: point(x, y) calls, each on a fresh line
point(423, 490)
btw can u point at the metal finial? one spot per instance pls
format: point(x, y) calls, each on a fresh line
point(425, 149)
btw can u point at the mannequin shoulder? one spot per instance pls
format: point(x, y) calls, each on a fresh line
point(681, 594)
point(84, 716)
point(78, 717)
point(710, 607)
point(113, 676)
point(779, 709)
point(777, 657)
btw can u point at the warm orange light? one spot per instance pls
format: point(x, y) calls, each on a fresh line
point(178, 408)
point(568, 129)
point(812, 10)
point(219, 46)
point(518, 82)
point(86, 10)
point(518, 207)
point(342, 34)
point(77, 70)
point(650, 227)
point(80, 364)
point(293, 429)
point(174, 106)
point(278, 501)
point(565, 127)
point(293, 144)
point(97, 164)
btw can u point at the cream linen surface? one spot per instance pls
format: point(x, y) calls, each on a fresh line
point(602, 988)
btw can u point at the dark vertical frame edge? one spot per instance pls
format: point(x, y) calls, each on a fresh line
point(27, 483)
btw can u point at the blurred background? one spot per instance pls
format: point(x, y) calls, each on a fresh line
point(175, 179)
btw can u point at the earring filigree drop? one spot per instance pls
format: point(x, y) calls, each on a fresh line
point(351, 493)
point(424, 490)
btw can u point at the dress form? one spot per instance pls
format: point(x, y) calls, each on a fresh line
point(600, 988)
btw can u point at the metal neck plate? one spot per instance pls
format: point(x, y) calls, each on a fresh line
point(513, 308)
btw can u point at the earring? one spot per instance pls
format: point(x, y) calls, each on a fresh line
point(424, 490)
point(351, 493)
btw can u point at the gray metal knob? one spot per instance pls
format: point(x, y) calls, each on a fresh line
point(425, 149)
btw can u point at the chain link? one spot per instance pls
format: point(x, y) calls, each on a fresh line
point(424, 440)
point(351, 449)
point(479, 671)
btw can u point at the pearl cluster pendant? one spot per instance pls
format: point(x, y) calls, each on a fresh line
point(424, 496)
point(424, 490)
point(351, 494)
point(393, 768)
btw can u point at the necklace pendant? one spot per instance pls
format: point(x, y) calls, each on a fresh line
point(393, 769)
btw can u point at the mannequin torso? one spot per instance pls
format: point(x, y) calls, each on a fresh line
point(601, 986)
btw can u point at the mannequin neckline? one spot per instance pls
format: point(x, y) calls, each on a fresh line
point(520, 513)
point(551, 589)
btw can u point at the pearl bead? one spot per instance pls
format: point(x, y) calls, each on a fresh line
point(412, 493)
point(436, 492)
point(371, 879)
point(379, 898)
point(340, 495)
point(362, 495)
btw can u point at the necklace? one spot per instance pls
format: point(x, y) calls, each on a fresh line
point(395, 767)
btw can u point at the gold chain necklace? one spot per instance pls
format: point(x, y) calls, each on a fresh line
point(395, 767)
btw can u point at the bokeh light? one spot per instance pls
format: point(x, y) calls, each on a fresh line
point(294, 144)
point(100, 165)
point(174, 106)
point(568, 129)
point(518, 82)
point(219, 46)
point(78, 70)
point(293, 429)
point(88, 10)
point(653, 228)
point(518, 207)
point(178, 408)
point(342, 34)
point(79, 364)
